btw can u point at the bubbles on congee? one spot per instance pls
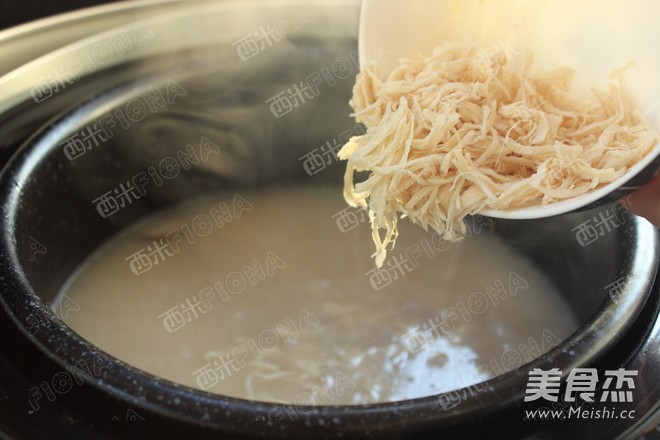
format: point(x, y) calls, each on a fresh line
point(280, 304)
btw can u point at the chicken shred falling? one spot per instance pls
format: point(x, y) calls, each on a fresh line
point(464, 130)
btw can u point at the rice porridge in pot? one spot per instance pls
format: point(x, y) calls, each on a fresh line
point(278, 299)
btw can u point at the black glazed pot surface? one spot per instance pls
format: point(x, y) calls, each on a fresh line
point(51, 224)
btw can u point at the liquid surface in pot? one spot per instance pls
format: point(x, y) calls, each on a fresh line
point(271, 295)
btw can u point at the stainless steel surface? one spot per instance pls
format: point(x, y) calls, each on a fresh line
point(29, 41)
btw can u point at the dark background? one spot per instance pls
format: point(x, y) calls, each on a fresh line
point(14, 12)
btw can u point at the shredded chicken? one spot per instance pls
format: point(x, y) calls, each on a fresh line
point(462, 130)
